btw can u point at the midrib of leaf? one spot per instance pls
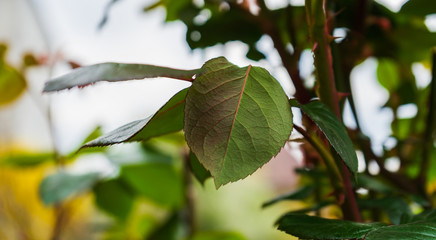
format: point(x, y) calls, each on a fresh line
point(234, 118)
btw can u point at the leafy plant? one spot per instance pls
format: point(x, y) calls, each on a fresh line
point(235, 119)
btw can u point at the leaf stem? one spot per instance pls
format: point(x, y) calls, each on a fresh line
point(319, 32)
point(336, 177)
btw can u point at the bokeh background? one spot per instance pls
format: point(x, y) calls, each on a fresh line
point(47, 38)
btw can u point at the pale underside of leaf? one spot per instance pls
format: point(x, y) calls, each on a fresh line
point(166, 120)
point(236, 119)
point(114, 72)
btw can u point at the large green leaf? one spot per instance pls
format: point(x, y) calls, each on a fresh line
point(236, 119)
point(157, 181)
point(113, 197)
point(309, 227)
point(113, 72)
point(168, 119)
point(411, 231)
point(61, 185)
point(332, 129)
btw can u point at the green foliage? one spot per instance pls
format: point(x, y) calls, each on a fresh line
point(299, 194)
point(334, 131)
point(114, 72)
point(166, 120)
point(113, 197)
point(309, 227)
point(12, 82)
point(217, 236)
point(412, 231)
point(57, 187)
point(142, 178)
point(236, 119)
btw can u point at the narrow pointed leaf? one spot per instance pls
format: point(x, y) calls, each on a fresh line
point(114, 72)
point(236, 119)
point(332, 129)
point(411, 231)
point(310, 227)
point(166, 120)
point(299, 194)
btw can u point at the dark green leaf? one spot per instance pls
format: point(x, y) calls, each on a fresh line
point(217, 236)
point(309, 227)
point(427, 216)
point(419, 7)
point(299, 194)
point(396, 208)
point(113, 197)
point(236, 119)
point(156, 181)
point(332, 129)
point(113, 72)
point(200, 173)
point(166, 120)
point(222, 27)
point(59, 186)
point(411, 231)
point(168, 231)
point(373, 183)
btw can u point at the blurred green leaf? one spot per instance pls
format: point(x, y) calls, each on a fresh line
point(200, 173)
point(387, 74)
point(395, 207)
point(57, 187)
point(419, 7)
point(316, 207)
point(217, 236)
point(167, 119)
point(26, 159)
point(425, 216)
point(168, 231)
point(12, 82)
point(299, 194)
point(372, 183)
point(225, 26)
point(157, 181)
point(113, 72)
point(114, 197)
point(310, 227)
point(332, 129)
point(220, 110)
